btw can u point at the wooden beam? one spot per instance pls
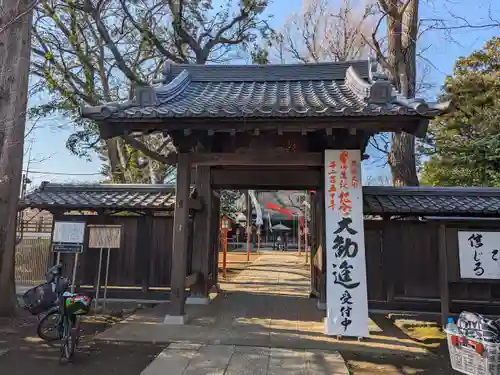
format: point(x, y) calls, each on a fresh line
point(202, 241)
point(143, 245)
point(259, 159)
point(307, 179)
point(412, 124)
point(192, 279)
point(195, 204)
point(180, 235)
point(443, 273)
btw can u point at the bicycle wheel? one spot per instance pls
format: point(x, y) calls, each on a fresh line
point(76, 333)
point(68, 344)
point(48, 328)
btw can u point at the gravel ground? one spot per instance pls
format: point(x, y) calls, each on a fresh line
point(24, 353)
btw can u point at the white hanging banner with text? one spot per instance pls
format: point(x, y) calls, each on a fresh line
point(346, 291)
point(479, 255)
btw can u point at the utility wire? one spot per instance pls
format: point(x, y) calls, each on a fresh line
point(63, 174)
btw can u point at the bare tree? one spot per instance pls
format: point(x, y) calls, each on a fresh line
point(326, 30)
point(15, 31)
point(95, 52)
point(400, 62)
point(397, 53)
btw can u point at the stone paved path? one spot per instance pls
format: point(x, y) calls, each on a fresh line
point(262, 323)
point(266, 305)
point(195, 359)
point(263, 316)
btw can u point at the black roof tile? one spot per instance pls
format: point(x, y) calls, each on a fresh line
point(310, 90)
point(112, 196)
point(377, 200)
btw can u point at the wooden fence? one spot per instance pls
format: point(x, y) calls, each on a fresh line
point(139, 269)
point(404, 270)
point(38, 225)
point(403, 263)
point(33, 258)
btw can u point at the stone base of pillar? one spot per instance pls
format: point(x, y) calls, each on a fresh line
point(175, 320)
point(215, 289)
point(196, 300)
point(321, 305)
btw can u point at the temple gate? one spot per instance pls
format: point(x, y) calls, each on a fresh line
point(256, 127)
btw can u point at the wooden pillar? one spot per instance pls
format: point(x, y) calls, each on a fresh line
point(443, 272)
point(143, 249)
point(180, 236)
point(298, 236)
point(214, 235)
point(322, 248)
point(202, 247)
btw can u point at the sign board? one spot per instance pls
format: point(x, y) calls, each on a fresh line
point(69, 232)
point(105, 236)
point(346, 290)
point(68, 237)
point(479, 254)
point(67, 248)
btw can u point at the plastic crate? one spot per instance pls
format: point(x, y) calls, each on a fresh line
point(466, 360)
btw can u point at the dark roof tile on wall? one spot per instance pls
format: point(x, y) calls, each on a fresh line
point(378, 200)
point(111, 196)
point(437, 201)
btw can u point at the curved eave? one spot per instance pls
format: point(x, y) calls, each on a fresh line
point(322, 97)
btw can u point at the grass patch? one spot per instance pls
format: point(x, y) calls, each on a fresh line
point(426, 332)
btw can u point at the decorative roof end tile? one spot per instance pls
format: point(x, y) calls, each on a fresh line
point(357, 85)
point(381, 92)
point(374, 71)
point(378, 92)
point(167, 72)
point(145, 96)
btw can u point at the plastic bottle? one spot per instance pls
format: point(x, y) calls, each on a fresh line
point(451, 326)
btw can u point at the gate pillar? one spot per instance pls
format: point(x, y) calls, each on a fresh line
point(202, 241)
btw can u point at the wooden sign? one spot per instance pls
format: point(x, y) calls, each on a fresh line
point(346, 289)
point(479, 254)
point(105, 236)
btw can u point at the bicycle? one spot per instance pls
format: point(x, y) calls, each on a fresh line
point(62, 311)
point(72, 307)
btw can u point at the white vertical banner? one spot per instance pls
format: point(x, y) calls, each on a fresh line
point(346, 290)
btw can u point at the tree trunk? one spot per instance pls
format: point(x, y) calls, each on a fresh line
point(401, 55)
point(14, 73)
point(402, 160)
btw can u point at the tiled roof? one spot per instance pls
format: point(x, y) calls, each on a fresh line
point(323, 89)
point(378, 200)
point(431, 201)
point(112, 196)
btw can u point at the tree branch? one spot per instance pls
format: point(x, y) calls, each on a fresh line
point(138, 145)
point(17, 17)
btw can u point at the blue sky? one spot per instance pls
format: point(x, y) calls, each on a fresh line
point(55, 163)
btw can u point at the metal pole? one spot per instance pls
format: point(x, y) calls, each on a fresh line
point(73, 278)
point(258, 239)
point(98, 278)
point(58, 258)
point(298, 236)
point(249, 228)
point(106, 280)
point(306, 228)
point(224, 253)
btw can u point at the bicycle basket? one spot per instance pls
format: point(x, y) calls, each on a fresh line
point(77, 305)
point(40, 298)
